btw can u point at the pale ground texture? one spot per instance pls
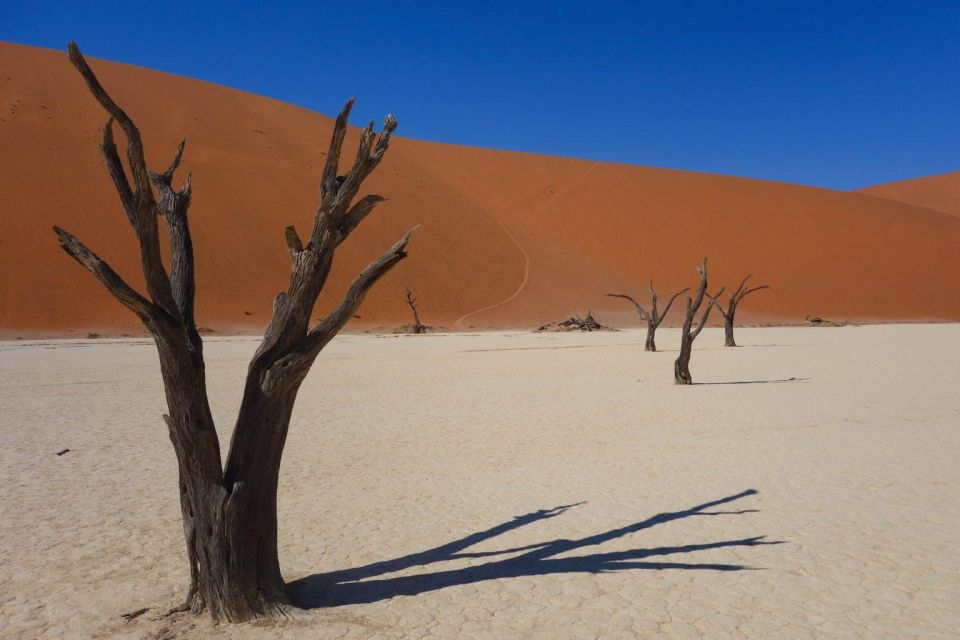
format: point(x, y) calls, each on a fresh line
point(514, 485)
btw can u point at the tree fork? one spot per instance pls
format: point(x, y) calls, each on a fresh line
point(653, 318)
point(681, 367)
point(728, 314)
point(230, 511)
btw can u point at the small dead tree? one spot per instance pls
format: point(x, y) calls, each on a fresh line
point(230, 510)
point(735, 298)
point(417, 326)
point(681, 368)
point(582, 324)
point(653, 317)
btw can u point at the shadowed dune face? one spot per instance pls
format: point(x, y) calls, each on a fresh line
point(508, 239)
point(940, 192)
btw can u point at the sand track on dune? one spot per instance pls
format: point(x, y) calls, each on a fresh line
point(523, 281)
point(458, 323)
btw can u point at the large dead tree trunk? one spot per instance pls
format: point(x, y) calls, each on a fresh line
point(728, 314)
point(230, 511)
point(653, 318)
point(681, 367)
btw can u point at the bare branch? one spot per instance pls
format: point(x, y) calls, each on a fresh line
point(140, 204)
point(360, 210)
point(701, 289)
point(118, 288)
point(666, 309)
point(706, 314)
point(367, 137)
point(654, 316)
point(108, 151)
point(328, 181)
point(138, 165)
point(389, 126)
point(720, 308)
point(324, 331)
point(643, 313)
point(176, 161)
point(173, 207)
point(734, 294)
point(749, 291)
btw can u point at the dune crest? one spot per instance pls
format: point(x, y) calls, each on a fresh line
point(940, 192)
point(508, 239)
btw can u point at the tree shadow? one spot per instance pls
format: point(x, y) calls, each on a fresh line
point(802, 380)
point(355, 586)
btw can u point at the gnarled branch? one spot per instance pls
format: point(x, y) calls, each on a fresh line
point(643, 312)
point(124, 293)
point(666, 309)
point(173, 206)
point(138, 200)
point(729, 313)
point(138, 166)
point(326, 329)
point(706, 313)
point(108, 151)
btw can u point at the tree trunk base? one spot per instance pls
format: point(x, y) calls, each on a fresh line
point(264, 609)
point(728, 340)
point(681, 373)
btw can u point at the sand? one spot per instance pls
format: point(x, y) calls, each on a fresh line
point(508, 240)
point(515, 485)
point(940, 192)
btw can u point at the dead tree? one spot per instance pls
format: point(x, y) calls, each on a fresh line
point(681, 368)
point(230, 510)
point(583, 324)
point(653, 318)
point(417, 326)
point(731, 309)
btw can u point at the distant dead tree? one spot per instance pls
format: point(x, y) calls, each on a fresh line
point(652, 317)
point(582, 324)
point(417, 326)
point(230, 511)
point(681, 368)
point(735, 298)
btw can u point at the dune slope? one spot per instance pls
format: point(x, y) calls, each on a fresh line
point(940, 192)
point(508, 239)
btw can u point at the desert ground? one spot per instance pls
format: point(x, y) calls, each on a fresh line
point(504, 485)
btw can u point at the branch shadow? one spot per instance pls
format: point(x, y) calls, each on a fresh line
point(360, 585)
point(800, 380)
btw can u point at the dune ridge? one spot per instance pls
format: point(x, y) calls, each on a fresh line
point(939, 192)
point(507, 239)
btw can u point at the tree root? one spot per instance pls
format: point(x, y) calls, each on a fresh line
point(134, 614)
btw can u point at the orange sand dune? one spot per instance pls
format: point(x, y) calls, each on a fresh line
point(508, 239)
point(940, 192)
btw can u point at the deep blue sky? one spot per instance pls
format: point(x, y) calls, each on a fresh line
point(834, 94)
